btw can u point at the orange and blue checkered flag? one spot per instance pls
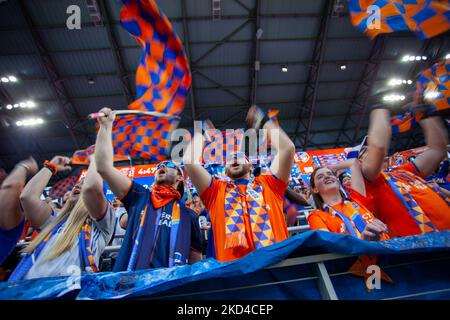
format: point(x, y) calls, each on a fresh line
point(426, 18)
point(404, 122)
point(81, 157)
point(143, 136)
point(62, 186)
point(437, 80)
point(222, 145)
point(162, 77)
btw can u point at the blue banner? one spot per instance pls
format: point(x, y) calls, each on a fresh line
point(146, 283)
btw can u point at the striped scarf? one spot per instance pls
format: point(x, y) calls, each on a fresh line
point(174, 257)
point(237, 205)
point(394, 179)
point(87, 261)
point(354, 225)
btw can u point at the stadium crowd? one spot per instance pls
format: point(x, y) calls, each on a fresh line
point(227, 217)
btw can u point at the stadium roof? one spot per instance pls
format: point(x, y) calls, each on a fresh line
point(236, 57)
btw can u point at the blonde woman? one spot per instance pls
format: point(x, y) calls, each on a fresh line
point(73, 238)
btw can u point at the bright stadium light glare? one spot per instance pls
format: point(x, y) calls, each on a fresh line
point(393, 97)
point(22, 104)
point(9, 106)
point(405, 58)
point(447, 56)
point(430, 95)
point(12, 79)
point(30, 104)
point(30, 122)
point(4, 79)
point(398, 82)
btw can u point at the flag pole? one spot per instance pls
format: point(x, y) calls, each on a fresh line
point(96, 115)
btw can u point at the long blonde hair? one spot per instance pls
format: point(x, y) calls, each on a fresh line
point(76, 217)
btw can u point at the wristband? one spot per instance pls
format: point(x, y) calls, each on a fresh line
point(51, 166)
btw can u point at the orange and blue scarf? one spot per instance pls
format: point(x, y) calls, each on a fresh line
point(394, 178)
point(87, 261)
point(356, 224)
point(161, 199)
point(237, 205)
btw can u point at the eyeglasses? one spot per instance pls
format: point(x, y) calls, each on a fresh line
point(168, 164)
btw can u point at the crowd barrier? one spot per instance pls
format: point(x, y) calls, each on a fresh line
point(309, 265)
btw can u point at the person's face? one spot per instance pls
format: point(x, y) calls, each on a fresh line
point(325, 181)
point(167, 174)
point(237, 168)
point(76, 191)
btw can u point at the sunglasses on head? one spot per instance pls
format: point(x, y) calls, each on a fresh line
point(168, 164)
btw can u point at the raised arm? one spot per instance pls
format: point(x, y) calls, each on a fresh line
point(10, 213)
point(379, 139)
point(192, 163)
point(92, 193)
point(437, 139)
point(104, 156)
point(357, 178)
point(284, 159)
point(35, 209)
point(296, 197)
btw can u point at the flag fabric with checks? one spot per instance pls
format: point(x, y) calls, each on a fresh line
point(426, 18)
point(81, 157)
point(404, 122)
point(163, 79)
point(62, 186)
point(143, 136)
point(436, 79)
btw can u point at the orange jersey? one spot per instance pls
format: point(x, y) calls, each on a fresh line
point(319, 219)
point(214, 200)
point(391, 211)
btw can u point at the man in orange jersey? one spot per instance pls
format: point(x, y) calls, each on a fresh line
point(246, 212)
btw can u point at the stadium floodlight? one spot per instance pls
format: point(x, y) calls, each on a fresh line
point(398, 82)
point(29, 122)
point(30, 104)
point(393, 98)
